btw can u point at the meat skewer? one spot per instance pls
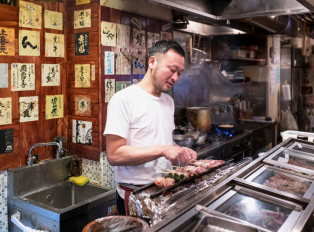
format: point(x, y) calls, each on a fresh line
point(177, 175)
point(161, 181)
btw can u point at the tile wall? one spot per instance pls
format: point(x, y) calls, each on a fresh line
point(99, 173)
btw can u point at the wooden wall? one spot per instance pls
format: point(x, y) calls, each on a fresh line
point(26, 134)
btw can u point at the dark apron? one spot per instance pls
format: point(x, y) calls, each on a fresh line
point(128, 191)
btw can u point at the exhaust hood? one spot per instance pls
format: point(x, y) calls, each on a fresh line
point(237, 9)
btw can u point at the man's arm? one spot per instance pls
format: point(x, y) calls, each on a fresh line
point(119, 154)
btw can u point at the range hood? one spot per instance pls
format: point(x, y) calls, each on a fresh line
point(237, 9)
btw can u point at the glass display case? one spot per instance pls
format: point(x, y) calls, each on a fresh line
point(290, 159)
point(265, 212)
point(284, 181)
point(302, 147)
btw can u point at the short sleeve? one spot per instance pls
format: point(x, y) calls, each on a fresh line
point(118, 117)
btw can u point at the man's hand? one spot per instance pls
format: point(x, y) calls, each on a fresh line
point(179, 155)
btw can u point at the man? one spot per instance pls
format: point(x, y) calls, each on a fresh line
point(140, 121)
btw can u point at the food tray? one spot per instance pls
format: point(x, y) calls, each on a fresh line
point(178, 183)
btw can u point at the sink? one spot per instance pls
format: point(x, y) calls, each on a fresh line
point(66, 194)
point(48, 201)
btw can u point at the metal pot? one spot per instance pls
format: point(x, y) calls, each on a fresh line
point(183, 140)
point(201, 139)
point(195, 134)
point(200, 118)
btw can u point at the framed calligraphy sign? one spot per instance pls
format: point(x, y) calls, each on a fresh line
point(82, 44)
point(123, 63)
point(108, 34)
point(138, 39)
point(83, 105)
point(4, 75)
point(138, 63)
point(82, 75)
point(82, 132)
point(29, 43)
point(7, 141)
point(109, 89)
point(123, 36)
point(22, 77)
point(53, 20)
point(28, 109)
point(54, 46)
point(50, 75)
point(152, 38)
point(5, 111)
point(54, 106)
point(82, 18)
point(109, 63)
point(7, 41)
point(30, 15)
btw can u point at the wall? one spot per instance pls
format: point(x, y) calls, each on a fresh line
point(26, 134)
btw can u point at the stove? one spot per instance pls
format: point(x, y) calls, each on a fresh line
point(234, 144)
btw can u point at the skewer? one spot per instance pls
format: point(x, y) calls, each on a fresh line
point(148, 178)
point(167, 169)
point(165, 172)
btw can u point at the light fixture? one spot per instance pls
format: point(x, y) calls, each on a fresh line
point(273, 16)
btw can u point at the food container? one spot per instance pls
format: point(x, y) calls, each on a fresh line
point(116, 224)
point(183, 140)
point(283, 181)
point(294, 134)
point(260, 210)
point(200, 118)
point(295, 160)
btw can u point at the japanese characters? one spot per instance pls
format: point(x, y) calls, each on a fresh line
point(109, 63)
point(123, 63)
point(28, 109)
point(50, 75)
point(82, 44)
point(54, 106)
point(82, 132)
point(7, 41)
point(138, 39)
point(82, 75)
point(5, 111)
point(108, 34)
point(109, 89)
point(54, 45)
point(53, 20)
point(30, 15)
point(83, 105)
point(152, 38)
point(123, 36)
point(29, 43)
point(22, 77)
point(82, 18)
point(138, 63)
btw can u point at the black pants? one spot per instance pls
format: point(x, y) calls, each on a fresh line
point(120, 204)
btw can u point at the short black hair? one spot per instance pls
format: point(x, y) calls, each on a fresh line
point(163, 46)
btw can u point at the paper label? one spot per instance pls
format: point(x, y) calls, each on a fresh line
point(5, 111)
point(93, 72)
point(108, 34)
point(82, 44)
point(54, 45)
point(4, 76)
point(123, 36)
point(152, 38)
point(138, 63)
point(123, 63)
point(54, 106)
point(138, 39)
point(109, 89)
point(82, 132)
point(82, 18)
point(82, 75)
point(7, 41)
point(83, 105)
point(283, 160)
point(30, 15)
point(50, 75)
point(29, 43)
point(122, 85)
point(109, 63)
point(28, 109)
point(22, 77)
point(53, 20)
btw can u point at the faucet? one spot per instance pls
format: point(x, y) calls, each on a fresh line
point(57, 141)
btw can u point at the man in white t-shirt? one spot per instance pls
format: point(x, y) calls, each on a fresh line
point(140, 121)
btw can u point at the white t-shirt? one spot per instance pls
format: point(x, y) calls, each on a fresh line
point(144, 120)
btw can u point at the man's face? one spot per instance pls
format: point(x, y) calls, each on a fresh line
point(166, 70)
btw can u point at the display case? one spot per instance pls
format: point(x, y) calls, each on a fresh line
point(263, 211)
point(302, 147)
point(290, 159)
point(284, 181)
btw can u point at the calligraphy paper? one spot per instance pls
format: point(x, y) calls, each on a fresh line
point(138, 39)
point(7, 141)
point(30, 15)
point(122, 85)
point(50, 75)
point(83, 105)
point(54, 45)
point(7, 41)
point(82, 18)
point(82, 132)
point(109, 89)
point(152, 38)
point(93, 72)
point(29, 43)
point(28, 109)
point(82, 44)
point(165, 36)
point(108, 34)
point(5, 111)
point(80, 2)
point(109, 63)
point(4, 75)
point(138, 63)
point(136, 23)
point(54, 106)
point(53, 20)
point(22, 77)
point(123, 36)
point(123, 63)
point(82, 75)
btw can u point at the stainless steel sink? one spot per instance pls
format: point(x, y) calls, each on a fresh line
point(48, 201)
point(66, 194)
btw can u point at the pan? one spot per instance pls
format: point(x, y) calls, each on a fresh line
point(226, 128)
